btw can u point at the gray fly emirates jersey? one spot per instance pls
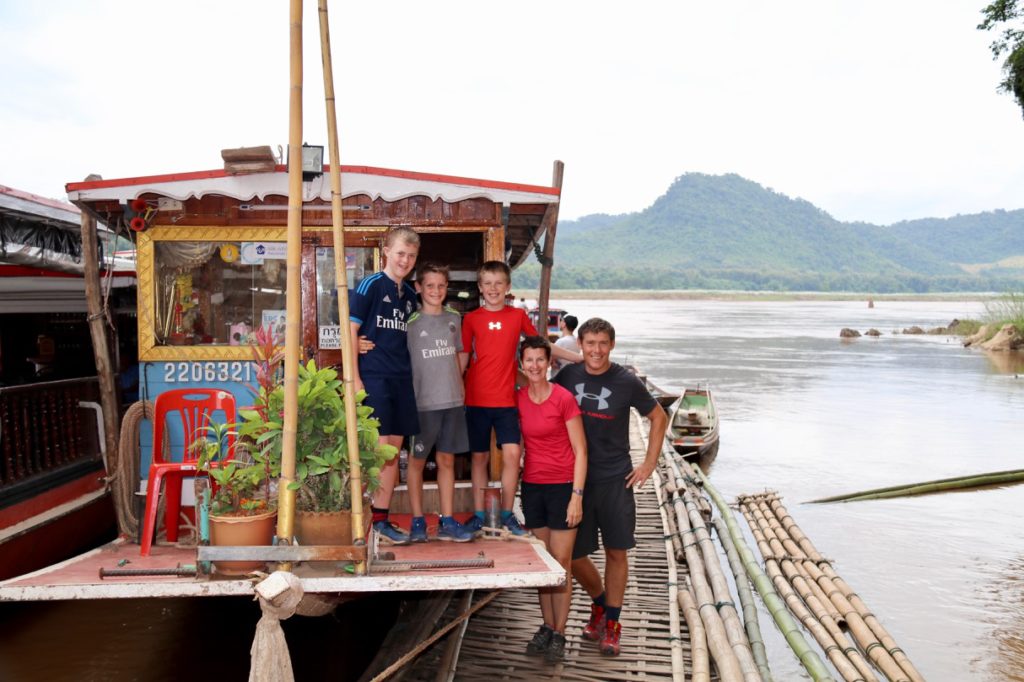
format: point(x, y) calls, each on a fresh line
point(434, 344)
point(605, 400)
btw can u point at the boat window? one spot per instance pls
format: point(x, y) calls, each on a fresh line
point(359, 263)
point(210, 293)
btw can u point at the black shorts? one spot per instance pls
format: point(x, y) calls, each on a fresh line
point(394, 403)
point(545, 504)
point(480, 420)
point(608, 507)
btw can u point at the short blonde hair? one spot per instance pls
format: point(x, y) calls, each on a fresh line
point(406, 234)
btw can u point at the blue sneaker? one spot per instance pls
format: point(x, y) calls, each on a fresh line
point(390, 534)
point(511, 524)
point(418, 531)
point(475, 525)
point(451, 530)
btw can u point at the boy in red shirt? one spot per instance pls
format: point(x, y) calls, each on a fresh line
point(490, 339)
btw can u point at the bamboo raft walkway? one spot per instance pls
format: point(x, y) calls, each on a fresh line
point(493, 644)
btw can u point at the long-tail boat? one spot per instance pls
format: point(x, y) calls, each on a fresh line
point(214, 240)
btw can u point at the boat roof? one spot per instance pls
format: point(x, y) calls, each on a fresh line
point(16, 202)
point(384, 183)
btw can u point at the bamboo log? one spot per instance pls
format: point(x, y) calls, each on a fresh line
point(815, 561)
point(716, 578)
point(341, 283)
point(675, 634)
point(814, 666)
point(936, 486)
point(293, 300)
point(814, 616)
point(700, 663)
point(721, 649)
point(750, 620)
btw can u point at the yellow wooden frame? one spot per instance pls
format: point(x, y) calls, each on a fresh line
point(145, 270)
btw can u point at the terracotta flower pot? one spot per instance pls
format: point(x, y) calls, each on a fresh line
point(325, 528)
point(234, 531)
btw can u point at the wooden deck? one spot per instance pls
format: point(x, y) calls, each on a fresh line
point(516, 564)
point(494, 643)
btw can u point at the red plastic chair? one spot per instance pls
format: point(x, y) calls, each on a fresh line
point(194, 406)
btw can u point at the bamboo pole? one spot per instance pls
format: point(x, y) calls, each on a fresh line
point(716, 579)
point(814, 616)
point(341, 284)
point(750, 621)
point(700, 663)
point(548, 260)
point(936, 486)
point(815, 563)
point(673, 586)
point(719, 644)
point(293, 304)
point(812, 663)
point(100, 347)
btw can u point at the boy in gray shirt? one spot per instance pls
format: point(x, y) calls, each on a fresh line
point(435, 341)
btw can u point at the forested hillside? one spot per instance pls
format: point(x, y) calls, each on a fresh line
point(726, 232)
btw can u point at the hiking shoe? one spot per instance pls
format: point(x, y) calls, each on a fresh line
point(511, 524)
point(541, 641)
point(451, 530)
point(594, 629)
point(556, 650)
point(390, 534)
point(475, 525)
point(418, 530)
point(610, 642)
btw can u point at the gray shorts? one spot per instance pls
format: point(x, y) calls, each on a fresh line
point(444, 428)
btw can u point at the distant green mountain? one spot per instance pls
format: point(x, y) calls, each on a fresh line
point(727, 232)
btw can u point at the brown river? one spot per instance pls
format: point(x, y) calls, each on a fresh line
point(803, 413)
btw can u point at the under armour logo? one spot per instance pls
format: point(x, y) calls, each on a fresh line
point(494, 325)
point(602, 404)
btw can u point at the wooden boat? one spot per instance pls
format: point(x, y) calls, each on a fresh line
point(53, 494)
point(693, 423)
point(554, 315)
point(219, 235)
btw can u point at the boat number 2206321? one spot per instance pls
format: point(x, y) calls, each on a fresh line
point(204, 372)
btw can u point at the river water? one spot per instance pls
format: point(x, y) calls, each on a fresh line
point(803, 413)
point(810, 415)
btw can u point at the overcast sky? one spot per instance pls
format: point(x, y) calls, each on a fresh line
point(873, 110)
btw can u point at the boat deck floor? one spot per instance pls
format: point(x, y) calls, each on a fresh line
point(494, 643)
point(516, 564)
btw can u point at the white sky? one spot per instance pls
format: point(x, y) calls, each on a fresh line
point(873, 110)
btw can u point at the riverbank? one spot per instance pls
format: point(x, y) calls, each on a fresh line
point(711, 295)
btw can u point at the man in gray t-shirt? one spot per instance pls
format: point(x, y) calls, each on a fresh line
point(567, 325)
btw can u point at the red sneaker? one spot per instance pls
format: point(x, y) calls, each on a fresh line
point(594, 629)
point(610, 642)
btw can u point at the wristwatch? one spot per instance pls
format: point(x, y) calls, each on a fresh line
point(578, 491)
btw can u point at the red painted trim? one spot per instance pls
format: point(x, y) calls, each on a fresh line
point(27, 271)
point(51, 498)
point(365, 170)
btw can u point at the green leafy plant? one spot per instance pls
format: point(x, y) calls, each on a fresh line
point(321, 446)
point(241, 479)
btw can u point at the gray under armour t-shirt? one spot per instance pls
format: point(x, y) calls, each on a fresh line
point(434, 344)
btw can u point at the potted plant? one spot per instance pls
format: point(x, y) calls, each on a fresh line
point(323, 493)
point(241, 502)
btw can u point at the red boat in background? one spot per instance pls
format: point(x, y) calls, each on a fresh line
point(54, 501)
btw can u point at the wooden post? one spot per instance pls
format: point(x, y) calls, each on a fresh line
point(100, 348)
point(550, 225)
